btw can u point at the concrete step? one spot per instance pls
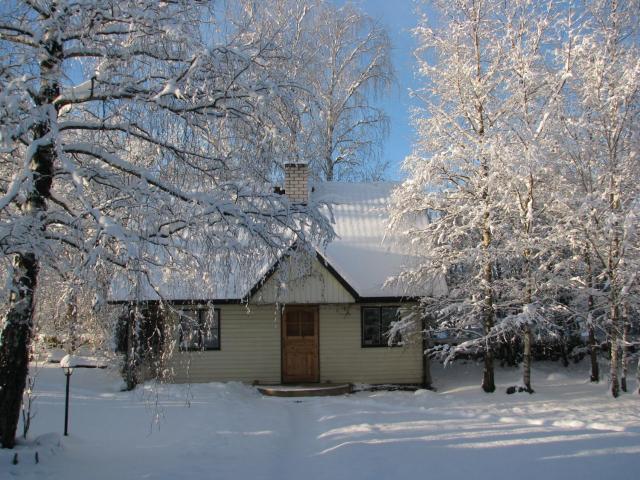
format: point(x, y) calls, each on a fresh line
point(306, 390)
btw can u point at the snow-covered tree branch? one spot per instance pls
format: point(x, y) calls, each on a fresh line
point(129, 124)
point(526, 165)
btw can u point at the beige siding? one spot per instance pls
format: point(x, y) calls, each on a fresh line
point(249, 349)
point(305, 284)
point(342, 359)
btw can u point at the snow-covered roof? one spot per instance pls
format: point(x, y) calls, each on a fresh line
point(196, 277)
point(364, 254)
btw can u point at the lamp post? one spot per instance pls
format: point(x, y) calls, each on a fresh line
point(67, 371)
point(68, 363)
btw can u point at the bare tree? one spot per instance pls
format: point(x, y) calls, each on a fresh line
point(348, 64)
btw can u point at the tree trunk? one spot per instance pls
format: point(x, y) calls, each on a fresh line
point(488, 380)
point(593, 352)
point(614, 297)
point(526, 364)
point(329, 164)
point(615, 347)
point(71, 318)
point(563, 343)
point(638, 376)
point(527, 214)
point(18, 325)
point(131, 353)
point(14, 349)
point(625, 348)
point(427, 380)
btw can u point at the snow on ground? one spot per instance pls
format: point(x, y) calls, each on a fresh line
point(567, 429)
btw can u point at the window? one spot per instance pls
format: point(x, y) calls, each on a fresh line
point(200, 329)
point(376, 322)
point(300, 324)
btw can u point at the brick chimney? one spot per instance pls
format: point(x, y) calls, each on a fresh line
point(296, 182)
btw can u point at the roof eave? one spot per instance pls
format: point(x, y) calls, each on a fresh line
point(219, 301)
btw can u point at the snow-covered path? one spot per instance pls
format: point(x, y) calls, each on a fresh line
point(567, 429)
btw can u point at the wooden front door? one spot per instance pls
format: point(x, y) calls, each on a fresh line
point(300, 345)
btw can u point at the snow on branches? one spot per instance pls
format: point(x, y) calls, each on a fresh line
point(130, 131)
point(527, 165)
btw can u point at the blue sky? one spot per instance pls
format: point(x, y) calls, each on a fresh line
point(399, 17)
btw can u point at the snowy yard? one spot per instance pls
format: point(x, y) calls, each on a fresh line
point(567, 429)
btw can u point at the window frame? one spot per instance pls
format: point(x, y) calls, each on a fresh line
point(201, 312)
point(385, 343)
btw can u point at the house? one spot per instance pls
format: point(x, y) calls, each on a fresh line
point(326, 323)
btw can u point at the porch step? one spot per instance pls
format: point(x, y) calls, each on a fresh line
point(306, 390)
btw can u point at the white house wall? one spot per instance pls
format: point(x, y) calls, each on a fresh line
point(300, 282)
point(343, 359)
point(250, 350)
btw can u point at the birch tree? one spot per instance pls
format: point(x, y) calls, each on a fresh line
point(129, 129)
point(341, 58)
point(535, 82)
point(453, 170)
point(348, 66)
point(600, 146)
